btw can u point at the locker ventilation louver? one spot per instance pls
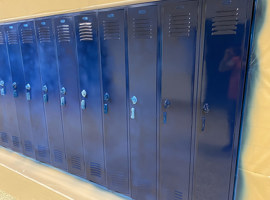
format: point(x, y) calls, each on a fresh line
point(225, 22)
point(42, 151)
point(15, 141)
point(27, 36)
point(12, 37)
point(2, 41)
point(28, 146)
point(76, 162)
point(111, 30)
point(86, 31)
point(44, 34)
point(4, 137)
point(63, 33)
point(118, 179)
point(95, 169)
point(58, 156)
point(179, 25)
point(178, 195)
point(142, 28)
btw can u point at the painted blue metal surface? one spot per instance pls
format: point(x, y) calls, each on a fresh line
point(69, 89)
point(143, 56)
point(33, 93)
point(50, 90)
point(224, 62)
point(179, 34)
point(90, 96)
point(18, 85)
point(113, 63)
point(10, 135)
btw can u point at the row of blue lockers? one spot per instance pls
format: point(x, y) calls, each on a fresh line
point(141, 99)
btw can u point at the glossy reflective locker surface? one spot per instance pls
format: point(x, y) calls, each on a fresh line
point(10, 136)
point(113, 62)
point(179, 31)
point(50, 90)
point(143, 55)
point(33, 90)
point(18, 85)
point(70, 104)
point(224, 60)
point(90, 95)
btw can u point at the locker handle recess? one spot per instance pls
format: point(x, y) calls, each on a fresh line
point(166, 105)
point(45, 93)
point(14, 86)
point(2, 84)
point(83, 102)
point(106, 101)
point(134, 101)
point(28, 94)
point(63, 99)
point(205, 111)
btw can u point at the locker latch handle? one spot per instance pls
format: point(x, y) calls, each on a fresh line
point(132, 113)
point(28, 94)
point(83, 101)
point(45, 93)
point(166, 105)
point(205, 111)
point(15, 93)
point(63, 99)
point(2, 84)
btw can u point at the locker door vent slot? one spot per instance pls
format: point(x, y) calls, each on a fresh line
point(28, 146)
point(225, 22)
point(76, 162)
point(27, 36)
point(15, 141)
point(2, 41)
point(95, 169)
point(86, 31)
point(178, 195)
point(111, 30)
point(44, 34)
point(118, 179)
point(12, 37)
point(4, 137)
point(42, 151)
point(142, 28)
point(63, 33)
point(58, 156)
point(179, 25)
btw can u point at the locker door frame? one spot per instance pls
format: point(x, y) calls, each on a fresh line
point(198, 97)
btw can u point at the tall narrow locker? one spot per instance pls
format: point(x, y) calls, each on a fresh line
point(179, 30)
point(90, 95)
point(142, 58)
point(10, 135)
point(224, 59)
point(69, 91)
point(50, 90)
point(113, 63)
point(33, 90)
point(18, 86)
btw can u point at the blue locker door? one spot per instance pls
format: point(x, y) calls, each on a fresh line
point(142, 56)
point(90, 90)
point(10, 136)
point(18, 87)
point(179, 29)
point(33, 92)
point(68, 73)
point(113, 60)
point(50, 91)
point(226, 37)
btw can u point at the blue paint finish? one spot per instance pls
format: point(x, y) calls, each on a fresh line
point(68, 73)
point(223, 69)
point(142, 57)
point(17, 72)
point(33, 89)
point(50, 90)
point(179, 34)
point(113, 63)
point(10, 136)
point(91, 98)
